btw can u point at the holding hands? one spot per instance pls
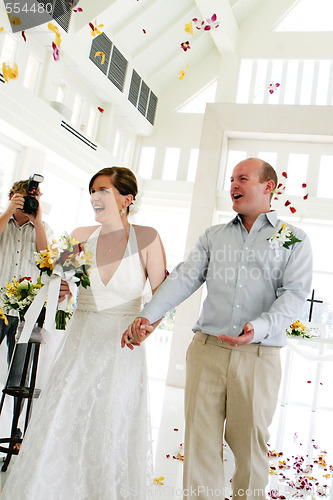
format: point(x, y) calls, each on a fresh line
point(137, 332)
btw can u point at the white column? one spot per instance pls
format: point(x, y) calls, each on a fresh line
point(202, 215)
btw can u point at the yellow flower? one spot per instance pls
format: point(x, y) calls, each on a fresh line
point(283, 226)
point(53, 28)
point(3, 316)
point(9, 73)
point(158, 480)
point(182, 74)
point(45, 259)
point(189, 28)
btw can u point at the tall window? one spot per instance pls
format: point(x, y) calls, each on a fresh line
point(32, 73)
point(147, 159)
point(9, 49)
point(171, 162)
point(77, 108)
point(8, 165)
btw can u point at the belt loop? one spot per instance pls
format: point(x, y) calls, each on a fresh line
point(205, 337)
point(260, 351)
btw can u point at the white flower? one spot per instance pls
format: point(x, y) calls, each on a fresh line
point(134, 206)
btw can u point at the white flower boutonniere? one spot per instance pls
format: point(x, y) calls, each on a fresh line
point(282, 238)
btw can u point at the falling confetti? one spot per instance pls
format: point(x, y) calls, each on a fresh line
point(101, 55)
point(95, 29)
point(9, 73)
point(182, 73)
point(159, 480)
point(24, 37)
point(185, 46)
point(55, 30)
point(100, 109)
point(56, 54)
point(272, 87)
point(212, 23)
point(15, 21)
point(1, 29)
point(198, 24)
point(144, 31)
point(189, 28)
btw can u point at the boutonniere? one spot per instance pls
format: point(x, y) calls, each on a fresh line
point(282, 238)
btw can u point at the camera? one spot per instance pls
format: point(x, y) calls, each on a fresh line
point(30, 202)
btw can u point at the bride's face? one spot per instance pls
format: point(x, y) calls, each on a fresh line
point(105, 199)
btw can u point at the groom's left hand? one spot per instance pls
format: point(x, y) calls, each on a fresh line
point(244, 338)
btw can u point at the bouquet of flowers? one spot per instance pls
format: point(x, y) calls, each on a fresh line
point(67, 259)
point(19, 294)
point(298, 329)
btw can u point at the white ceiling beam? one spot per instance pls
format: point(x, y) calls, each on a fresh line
point(186, 14)
point(268, 14)
point(226, 35)
point(136, 13)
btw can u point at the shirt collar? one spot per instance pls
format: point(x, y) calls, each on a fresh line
point(12, 218)
point(270, 216)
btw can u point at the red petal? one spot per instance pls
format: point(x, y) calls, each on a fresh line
point(100, 109)
point(175, 429)
point(277, 85)
point(168, 456)
point(207, 27)
point(144, 31)
point(23, 34)
point(284, 174)
point(214, 17)
point(279, 185)
point(276, 198)
point(303, 185)
point(305, 197)
point(271, 91)
point(309, 381)
point(92, 26)
point(287, 203)
point(292, 209)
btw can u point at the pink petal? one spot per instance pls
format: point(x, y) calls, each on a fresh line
point(214, 17)
point(207, 27)
point(277, 85)
point(271, 91)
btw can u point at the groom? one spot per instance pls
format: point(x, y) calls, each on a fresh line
point(256, 287)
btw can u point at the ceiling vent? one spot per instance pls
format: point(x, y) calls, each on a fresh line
point(2, 80)
point(118, 68)
point(101, 44)
point(77, 134)
point(142, 97)
point(133, 94)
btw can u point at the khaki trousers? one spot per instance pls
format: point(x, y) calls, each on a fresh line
point(230, 391)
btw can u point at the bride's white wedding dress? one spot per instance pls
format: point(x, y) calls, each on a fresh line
point(89, 436)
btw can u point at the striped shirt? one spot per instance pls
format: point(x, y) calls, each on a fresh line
point(17, 247)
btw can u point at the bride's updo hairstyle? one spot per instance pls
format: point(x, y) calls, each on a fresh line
point(122, 178)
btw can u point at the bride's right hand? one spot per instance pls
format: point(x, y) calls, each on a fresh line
point(64, 291)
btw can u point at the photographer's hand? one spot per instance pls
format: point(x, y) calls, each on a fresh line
point(36, 219)
point(16, 202)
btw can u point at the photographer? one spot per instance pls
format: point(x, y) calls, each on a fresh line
point(21, 234)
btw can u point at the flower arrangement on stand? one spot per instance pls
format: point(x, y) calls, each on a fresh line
point(18, 294)
point(298, 329)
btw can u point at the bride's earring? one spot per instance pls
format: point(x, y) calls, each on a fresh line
point(122, 211)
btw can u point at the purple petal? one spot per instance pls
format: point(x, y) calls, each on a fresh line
point(214, 17)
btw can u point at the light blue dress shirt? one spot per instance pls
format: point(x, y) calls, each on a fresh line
point(246, 280)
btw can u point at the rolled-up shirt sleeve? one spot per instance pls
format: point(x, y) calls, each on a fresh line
point(290, 296)
point(184, 280)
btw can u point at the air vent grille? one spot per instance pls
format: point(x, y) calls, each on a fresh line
point(101, 44)
point(143, 99)
point(2, 80)
point(118, 68)
point(134, 88)
point(77, 134)
point(152, 108)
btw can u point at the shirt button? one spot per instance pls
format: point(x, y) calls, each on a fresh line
point(240, 286)
point(234, 327)
point(243, 267)
point(246, 248)
point(237, 306)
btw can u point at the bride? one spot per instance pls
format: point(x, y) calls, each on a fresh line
point(89, 436)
